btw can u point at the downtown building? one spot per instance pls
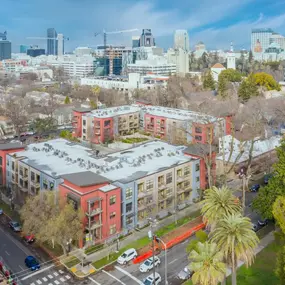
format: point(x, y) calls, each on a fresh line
point(116, 192)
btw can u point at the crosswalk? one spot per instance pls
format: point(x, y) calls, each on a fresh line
point(54, 278)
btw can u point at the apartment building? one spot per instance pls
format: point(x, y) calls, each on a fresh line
point(123, 188)
point(174, 125)
point(103, 125)
point(7, 130)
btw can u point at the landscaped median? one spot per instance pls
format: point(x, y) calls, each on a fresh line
point(166, 233)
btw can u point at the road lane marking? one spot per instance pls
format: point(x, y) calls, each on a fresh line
point(60, 271)
point(56, 282)
point(39, 282)
point(67, 277)
point(21, 267)
point(97, 283)
point(55, 274)
point(33, 284)
point(45, 279)
point(7, 252)
point(62, 279)
point(114, 277)
point(128, 274)
point(37, 272)
point(50, 276)
point(173, 261)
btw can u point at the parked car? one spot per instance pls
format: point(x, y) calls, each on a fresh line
point(254, 188)
point(184, 274)
point(152, 281)
point(255, 227)
point(127, 256)
point(148, 264)
point(15, 226)
point(263, 223)
point(32, 263)
point(29, 238)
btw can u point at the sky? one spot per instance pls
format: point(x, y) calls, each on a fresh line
point(216, 23)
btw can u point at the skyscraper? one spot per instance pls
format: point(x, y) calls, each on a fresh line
point(260, 39)
point(147, 39)
point(5, 47)
point(135, 42)
point(52, 44)
point(181, 40)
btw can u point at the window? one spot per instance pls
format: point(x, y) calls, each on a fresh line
point(129, 193)
point(197, 179)
point(1, 160)
point(198, 130)
point(107, 123)
point(51, 185)
point(6, 162)
point(84, 122)
point(32, 176)
point(168, 178)
point(179, 172)
point(113, 200)
point(21, 182)
point(161, 180)
point(149, 185)
point(186, 184)
point(129, 207)
point(13, 164)
point(33, 189)
point(112, 215)
point(141, 187)
point(187, 170)
point(92, 205)
point(198, 138)
point(197, 167)
point(45, 184)
point(113, 229)
point(129, 220)
point(38, 178)
point(84, 131)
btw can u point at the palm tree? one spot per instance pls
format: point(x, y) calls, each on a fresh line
point(207, 264)
point(217, 203)
point(235, 238)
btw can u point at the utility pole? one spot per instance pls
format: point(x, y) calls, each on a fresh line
point(152, 224)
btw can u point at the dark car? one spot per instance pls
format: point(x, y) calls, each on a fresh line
point(15, 226)
point(29, 238)
point(254, 188)
point(32, 263)
point(262, 223)
point(255, 227)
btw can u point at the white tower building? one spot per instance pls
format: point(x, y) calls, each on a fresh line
point(181, 40)
point(60, 44)
point(231, 58)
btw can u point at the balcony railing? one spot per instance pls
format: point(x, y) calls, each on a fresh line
point(94, 212)
point(94, 225)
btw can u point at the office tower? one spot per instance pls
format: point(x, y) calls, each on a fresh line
point(260, 39)
point(60, 44)
point(5, 47)
point(24, 48)
point(52, 44)
point(181, 40)
point(35, 51)
point(147, 39)
point(278, 39)
point(135, 42)
point(200, 46)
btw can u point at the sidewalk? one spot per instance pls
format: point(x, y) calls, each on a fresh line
point(264, 242)
point(137, 234)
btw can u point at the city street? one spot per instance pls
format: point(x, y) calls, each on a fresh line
point(177, 259)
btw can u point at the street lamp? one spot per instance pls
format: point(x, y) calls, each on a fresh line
point(151, 236)
point(165, 252)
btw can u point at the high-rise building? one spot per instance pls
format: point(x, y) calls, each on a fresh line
point(35, 51)
point(181, 40)
point(52, 43)
point(24, 48)
point(260, 39)
point(147, 39)
point(60, 44)
point(278, 39)
point(5, 47)
point(135, 42)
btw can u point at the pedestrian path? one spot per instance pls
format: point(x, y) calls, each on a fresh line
point(51, 278)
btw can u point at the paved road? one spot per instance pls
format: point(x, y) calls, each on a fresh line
point(177, 259)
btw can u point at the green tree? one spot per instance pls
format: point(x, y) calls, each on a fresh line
point(250, 56)
point(208, 81)
point(217, 203)
point(267, 81)
point(222, 87)
point(43, 125)
point(92, 104)
point(278, 211)
point(66, 100)
point(207, 264)
point(51, 219)
point(237, 241)
point(231, 75)
point(267, 195)
point(201, 237)
point(248, 88)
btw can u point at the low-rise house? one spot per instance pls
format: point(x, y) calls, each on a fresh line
point(7, 130)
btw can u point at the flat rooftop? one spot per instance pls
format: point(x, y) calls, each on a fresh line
point(59, 157)
point(113, 111)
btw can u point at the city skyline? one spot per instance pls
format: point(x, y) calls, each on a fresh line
point(216, 27)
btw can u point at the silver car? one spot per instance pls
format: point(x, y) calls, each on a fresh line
point(185, 274)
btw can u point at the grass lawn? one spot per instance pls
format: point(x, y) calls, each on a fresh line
point(134, 140)
point(71, 261)
point(145, 240)
point(261, 272)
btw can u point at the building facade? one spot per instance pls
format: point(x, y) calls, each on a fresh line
point(5, 49)
point(147, 39)
point(34, 52)
point(181, 40)
point(52, 43)
point(260, 39)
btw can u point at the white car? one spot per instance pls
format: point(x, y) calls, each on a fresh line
point(148, 264)
point(152, 281)
point(127, 256)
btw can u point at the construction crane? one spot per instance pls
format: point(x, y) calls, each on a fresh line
point(60, 38)
point(104, 33)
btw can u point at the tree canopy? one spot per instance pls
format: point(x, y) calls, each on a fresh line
point(266, 80)
point(231, 75)
point(208, 81)
point(248, 88)
point(51, 219)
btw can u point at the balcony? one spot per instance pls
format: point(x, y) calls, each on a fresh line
point(97, 126)
point(144, 194)
point(181, 178)
point(94, 226)
point(94, 212)
point(180, 189)
point(161, 185)
point(141, 206)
